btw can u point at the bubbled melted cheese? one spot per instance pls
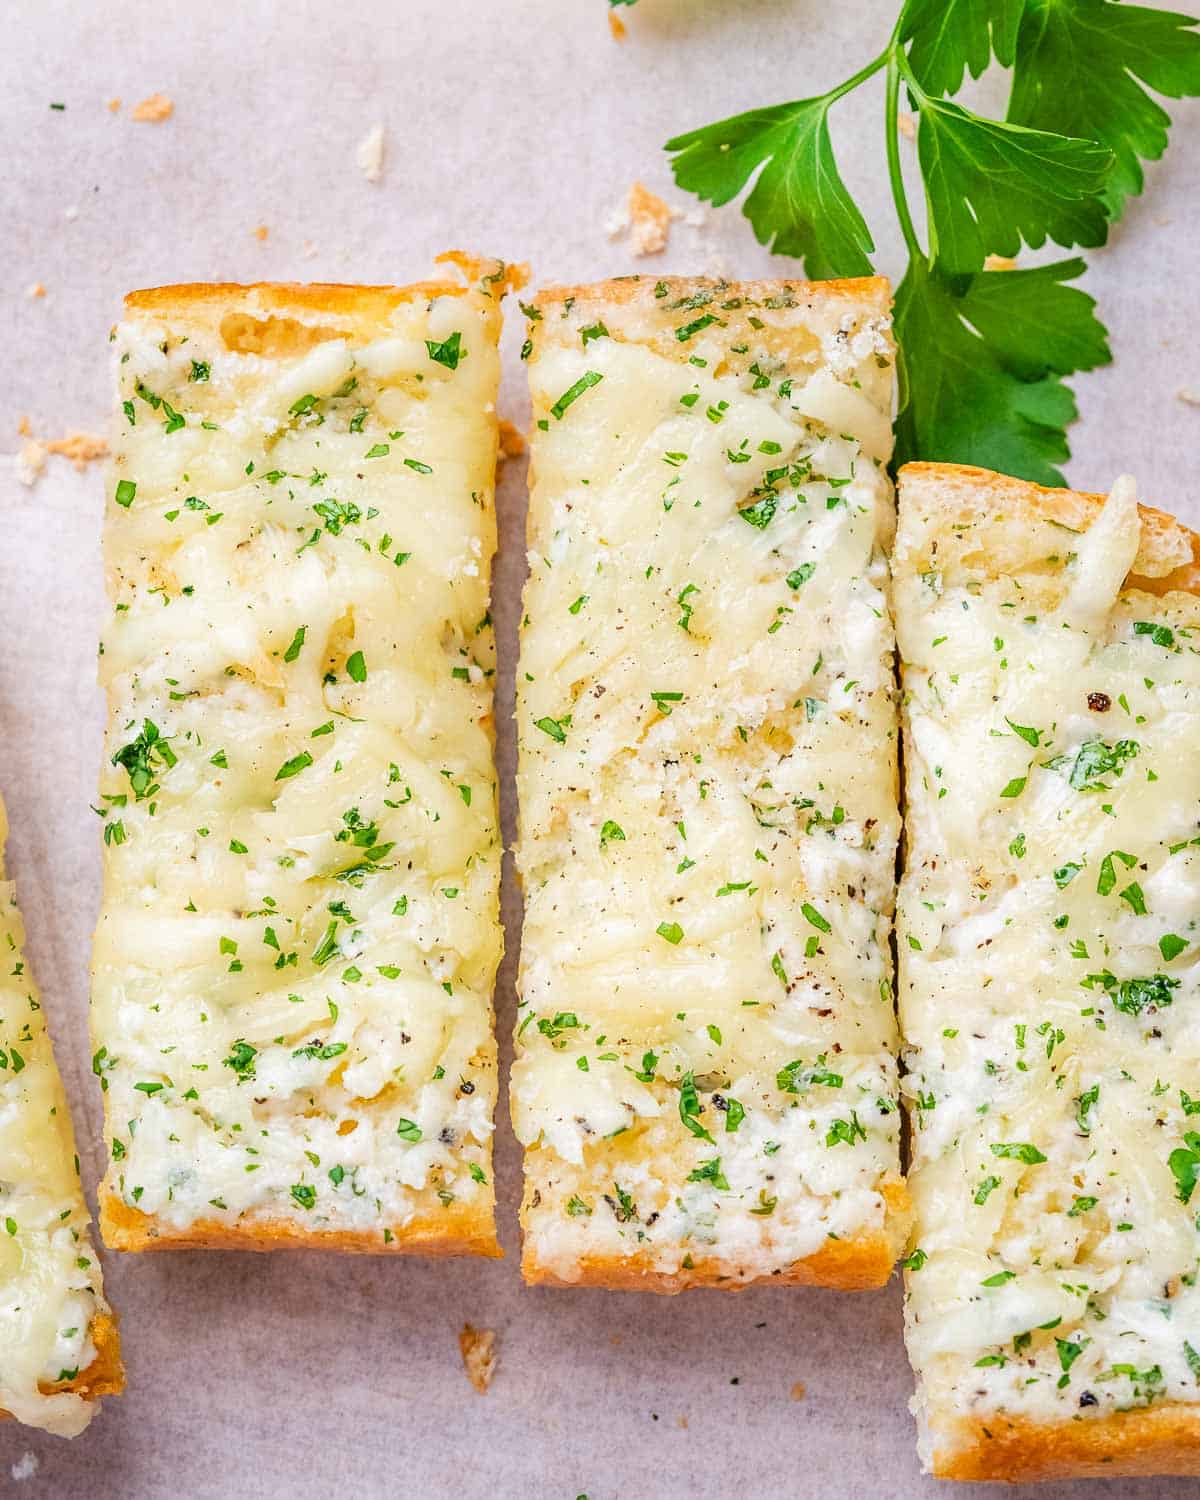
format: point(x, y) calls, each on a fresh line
point(50, 1287)
point(295, 956)
point(705, 1048)
point(1049, 933)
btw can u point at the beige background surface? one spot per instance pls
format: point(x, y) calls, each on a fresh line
point(513, 128)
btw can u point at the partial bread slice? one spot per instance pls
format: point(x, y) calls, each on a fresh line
point(59, 1350)
point(293, 967)
point(705, 1079)
point(1049, 939)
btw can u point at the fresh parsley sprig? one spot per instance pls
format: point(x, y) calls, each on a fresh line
point(985, 352)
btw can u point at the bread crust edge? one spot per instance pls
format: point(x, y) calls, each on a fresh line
point(105, 1376)
point(1162, 1440)
point(1163, 536)
point(858, 1265)
point(460, 1232)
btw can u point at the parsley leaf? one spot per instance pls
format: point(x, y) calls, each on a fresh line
point(981, 386)
point(1080, 69)
point(948, 37)
point(991, 185)
point(799, 205)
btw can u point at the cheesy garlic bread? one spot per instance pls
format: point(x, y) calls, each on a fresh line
point(293, 968)
point(59, 1349)
point(705, 1080)
point(1048, 931)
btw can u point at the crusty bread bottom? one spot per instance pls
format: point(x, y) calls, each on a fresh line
point(1126, 1444)
point(105, 1376)
point(452, 1231)
point(856, 1265)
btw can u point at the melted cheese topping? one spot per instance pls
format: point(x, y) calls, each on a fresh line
point(294, 962)
point(50, 1286)
point(707, 788)
point(1050, 967)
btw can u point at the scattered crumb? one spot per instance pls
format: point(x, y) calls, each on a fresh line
point(478, 1349)
point(683, 1422)
point(512, 444)
point(695, 218)
point(261, 232)
point(37, 290)
point(25, 1467)
point(798, 1391)
point(114, 106)
point(71, 213)
point(308, 250)
point(646, 218)
point(906, 125)
point(615, 1340)
point(1161, 221)
point(616, 26)
point(152, 110)
point(1189, 395)
point(369, 155)
point(82, 448)
point(30, 462)
point(1000, 263)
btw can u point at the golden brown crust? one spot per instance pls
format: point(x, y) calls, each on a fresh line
point(845, 1265)
point(872, 293)
point(366, 302)
point(1124, 1444)
point(453, 1231)
point(857, 1265)
point(105, 1376)
point(1169, 552)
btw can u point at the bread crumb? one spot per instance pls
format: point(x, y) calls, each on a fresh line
point(999, 263)
point(261, 232)
point(798, 1391)
point(683, 1422)
point(906, 125)
point(26, 1466)
point(71, 213)
point(646, 218)
point(37, 290)
point(616, 26)
point(370, 153)
point(308, 250)
point(478, 1349)
point(82, 448)
point(114, 106)
point(153, 109)
point(512, 444)
point(30, 462)
point(1189, 395)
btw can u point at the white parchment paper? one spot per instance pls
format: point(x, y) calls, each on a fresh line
point(513, 127)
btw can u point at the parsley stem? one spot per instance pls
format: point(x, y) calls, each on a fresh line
point(861, 76)
point(892, 131)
